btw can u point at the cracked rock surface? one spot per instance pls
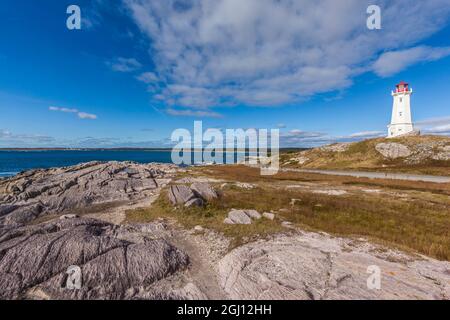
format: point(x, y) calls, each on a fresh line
point(115, 262)
point(393, 150)
point(316, 266)
point(195, 195)
point(35, 193)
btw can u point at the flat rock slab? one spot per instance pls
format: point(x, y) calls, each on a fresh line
point(239, 217)
point(269, 215)
point(312, 266)
point(35, 193)
point(115, 262)
point(331, 192)
point(242, 216)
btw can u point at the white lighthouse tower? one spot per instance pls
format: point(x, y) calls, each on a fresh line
point(401, 123)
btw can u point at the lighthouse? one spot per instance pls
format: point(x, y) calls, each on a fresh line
point(401, 123)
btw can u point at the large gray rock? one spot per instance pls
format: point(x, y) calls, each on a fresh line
point(197, 195)
point(32, 194)
point(317, 266)
point(393, 150)
point(204, 190)
point(180, 195)
point(35, 260)
point(238, 217)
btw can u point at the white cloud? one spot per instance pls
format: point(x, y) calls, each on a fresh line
point(80, 114)
point(84, 115)
point(393, 62)
point(439, 125)
point(304, 134)
point(193, 113)
point(147, 77)
point(4, 134)
point(368, 134)
point(9, 139)
point(444, 129)
point(52, 108)
point(300, 138)
point(124, 64)
point(434, 121)
point(273, 52)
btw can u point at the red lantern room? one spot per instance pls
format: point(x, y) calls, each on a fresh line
point(402, 87)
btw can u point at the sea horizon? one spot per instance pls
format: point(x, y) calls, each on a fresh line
point(14, 161)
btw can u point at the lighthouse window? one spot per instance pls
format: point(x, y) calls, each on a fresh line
point(401, 114)
point(401, 100)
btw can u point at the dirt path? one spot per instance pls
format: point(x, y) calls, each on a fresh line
point(201, 251)
point(201, 270)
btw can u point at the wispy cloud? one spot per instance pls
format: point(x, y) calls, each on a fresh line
point(124, 64)
point(193, 113)
point(8, 139)
point(51, 108)
point(84, 115)
point(14, 140)
point(300, 138)
point(275, 52)
point(440, 125)
point(393, 62)
point(368, 134)
point(147, 77)
point(80, 114)
point(434, 121)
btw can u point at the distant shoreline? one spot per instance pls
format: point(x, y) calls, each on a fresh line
point(85, 149)
point(133, 149)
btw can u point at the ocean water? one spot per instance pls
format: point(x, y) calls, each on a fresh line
point(13, 162)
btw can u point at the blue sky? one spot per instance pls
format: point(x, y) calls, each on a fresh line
point(139, 69)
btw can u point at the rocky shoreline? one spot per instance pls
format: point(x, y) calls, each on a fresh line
point(56, 218)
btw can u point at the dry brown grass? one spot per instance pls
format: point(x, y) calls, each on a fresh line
point(211, 217)
point(248, 174)
point(420, 222)
point(363, 156)
point(415, 225)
